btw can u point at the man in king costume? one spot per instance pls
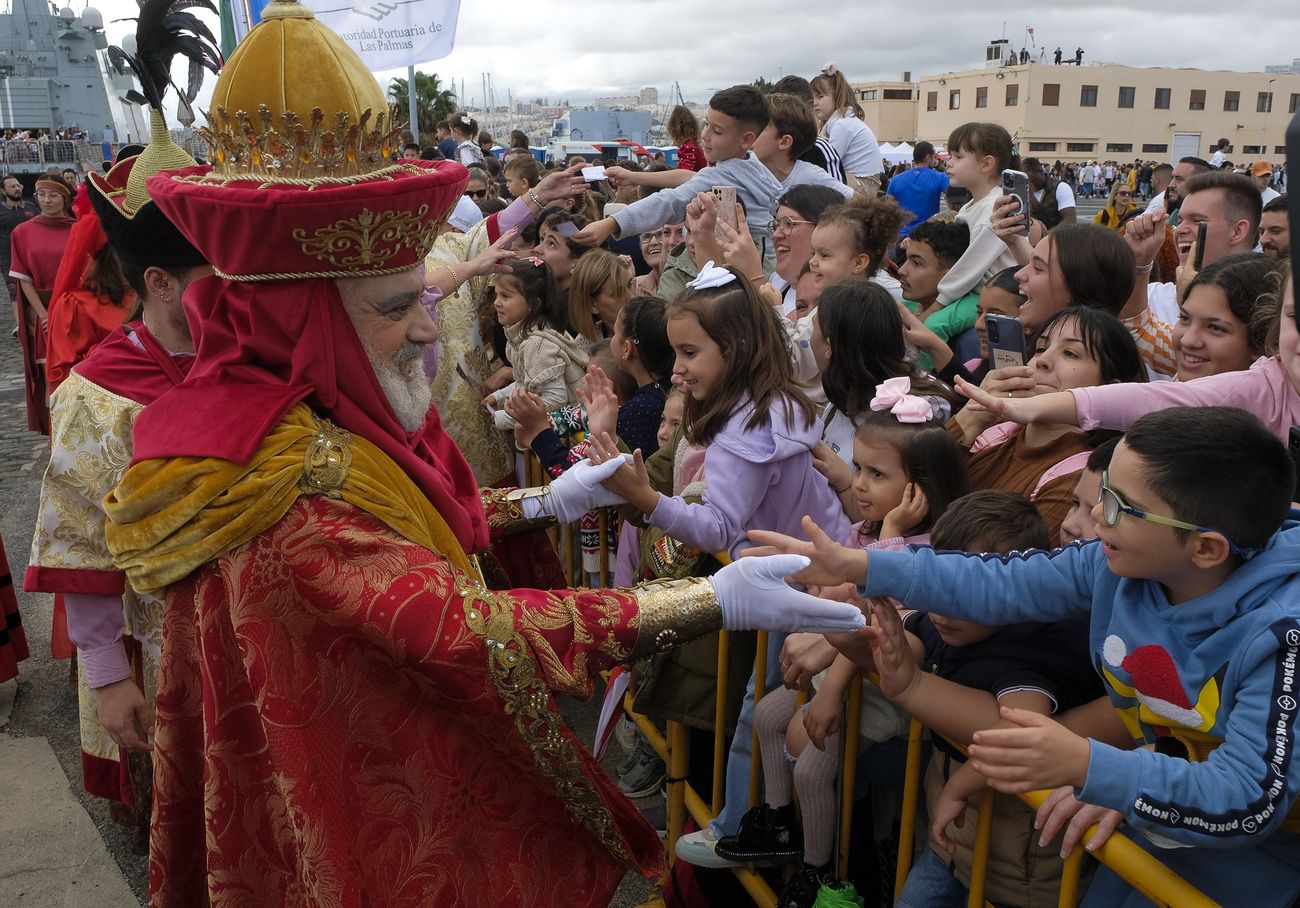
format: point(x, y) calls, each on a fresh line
point(116, 627)
point(346, 716)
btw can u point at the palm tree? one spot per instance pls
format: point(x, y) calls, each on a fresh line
point(433, 102)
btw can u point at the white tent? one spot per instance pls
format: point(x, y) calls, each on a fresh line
point(896, 154)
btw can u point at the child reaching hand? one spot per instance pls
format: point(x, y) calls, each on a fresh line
point(909, 469)
point(932, 666)
point(547, 360)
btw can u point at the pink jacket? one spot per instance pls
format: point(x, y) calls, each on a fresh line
point(1264, 390)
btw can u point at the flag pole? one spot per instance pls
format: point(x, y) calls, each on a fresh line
point(411, 110)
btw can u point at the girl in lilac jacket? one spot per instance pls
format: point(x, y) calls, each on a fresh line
point(742, 405)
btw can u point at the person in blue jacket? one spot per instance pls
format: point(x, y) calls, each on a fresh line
point(1194, 609)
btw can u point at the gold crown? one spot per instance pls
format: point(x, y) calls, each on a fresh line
point(299, 151)
point(280, 113)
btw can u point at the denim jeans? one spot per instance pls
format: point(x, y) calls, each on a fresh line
point(930, 884)
point(740, 758)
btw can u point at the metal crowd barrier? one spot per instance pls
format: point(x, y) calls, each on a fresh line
point(1121, 854)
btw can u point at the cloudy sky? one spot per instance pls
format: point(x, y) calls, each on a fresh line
point(613, 47)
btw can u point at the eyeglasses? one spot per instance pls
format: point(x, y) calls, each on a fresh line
point(476, 193)
point(1112, 506)
point(667, 234)
point(787, 224)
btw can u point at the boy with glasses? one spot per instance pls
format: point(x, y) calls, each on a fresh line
point(1195, 630)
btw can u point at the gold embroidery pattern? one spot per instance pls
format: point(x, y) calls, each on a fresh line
point(528, 699)
point(299, 150)
point(90, 449)
point(490, 452)
point(369, 238)
point(674, 612)
point(328, 458)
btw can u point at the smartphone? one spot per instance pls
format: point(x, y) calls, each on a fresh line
point(1016, 183)
point(1006, 339)
point(726, 198)
point(1293, 444)
point(1200, 245)
point(1293, 198)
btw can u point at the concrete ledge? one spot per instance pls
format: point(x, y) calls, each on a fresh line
point(54, 857)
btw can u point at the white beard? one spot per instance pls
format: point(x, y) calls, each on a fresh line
point(405, 384)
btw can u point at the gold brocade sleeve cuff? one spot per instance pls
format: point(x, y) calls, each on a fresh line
point(674, 612)
point(505, 511)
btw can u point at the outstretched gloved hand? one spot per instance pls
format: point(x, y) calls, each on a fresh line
point(754, 595)
point(577, 491)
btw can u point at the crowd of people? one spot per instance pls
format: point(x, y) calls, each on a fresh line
point(1046, 457)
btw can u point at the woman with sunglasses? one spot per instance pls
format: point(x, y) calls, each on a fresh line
point(480, 187)
point(1118, 205)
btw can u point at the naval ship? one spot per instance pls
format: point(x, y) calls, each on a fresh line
point(55, 79)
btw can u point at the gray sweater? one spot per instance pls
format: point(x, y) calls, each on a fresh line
point(755, 186)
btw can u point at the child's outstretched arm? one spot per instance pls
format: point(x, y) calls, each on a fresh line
point(967, 780)
point(827, 705)
point(998, 589)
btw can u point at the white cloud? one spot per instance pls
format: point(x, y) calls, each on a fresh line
point(614, 47)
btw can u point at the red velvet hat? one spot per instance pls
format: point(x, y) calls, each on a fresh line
point(305, 181)
point(254, 229)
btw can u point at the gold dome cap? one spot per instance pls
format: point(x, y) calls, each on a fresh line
point(294, 101)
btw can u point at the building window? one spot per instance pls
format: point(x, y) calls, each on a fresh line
point(1013, 94)
point(1162, 98)
point(1155, 149)
point(1264, 103)
point(1042, 146)
point(1119, 147)
point(1279, 149)
point(932, 100)
point(898, 94)
point(869, 94)
point(1295, 103)
point(1252, 149)
point(1197, 101)
point(1127, 95)
point(1051, 94)
point(1088, 96)
point(981, 97)
point(954, 99)
point(1080, 146)
point(1231, 100)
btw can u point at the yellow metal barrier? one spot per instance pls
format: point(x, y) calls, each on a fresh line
point(1127, 859)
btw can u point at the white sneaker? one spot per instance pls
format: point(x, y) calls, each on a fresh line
point(697, 848)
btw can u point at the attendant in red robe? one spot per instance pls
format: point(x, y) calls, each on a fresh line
point(90, 298)
point(36, 249)
point(346, 715)
point(117, 629)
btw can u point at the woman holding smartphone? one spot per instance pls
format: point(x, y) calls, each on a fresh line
point(1077, 346)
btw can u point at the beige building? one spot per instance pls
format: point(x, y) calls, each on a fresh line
point(890, 109)
point(1097, 111)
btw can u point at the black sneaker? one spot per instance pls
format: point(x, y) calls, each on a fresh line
point(801, 891)
point(766, 837)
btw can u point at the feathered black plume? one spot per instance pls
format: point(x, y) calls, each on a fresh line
point(164, 30)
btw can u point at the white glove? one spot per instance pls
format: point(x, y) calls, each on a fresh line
point(577, 491)
point(754, 595)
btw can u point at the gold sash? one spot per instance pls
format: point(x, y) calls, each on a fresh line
point(170, 516)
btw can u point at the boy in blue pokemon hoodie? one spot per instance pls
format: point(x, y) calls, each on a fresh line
point(1194, 612)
